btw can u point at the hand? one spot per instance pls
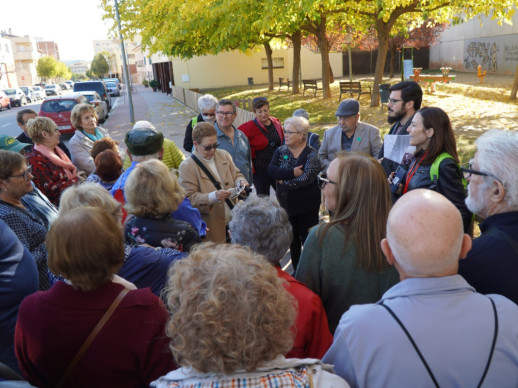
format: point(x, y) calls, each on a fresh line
point(391, 177)
point(380, 160)
point(297, 171)
point(221, 195)
point(243, 182)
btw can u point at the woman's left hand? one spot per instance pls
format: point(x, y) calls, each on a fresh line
point(297, 171)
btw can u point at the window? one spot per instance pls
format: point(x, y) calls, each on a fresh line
point(278, 63)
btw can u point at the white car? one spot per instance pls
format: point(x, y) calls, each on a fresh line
point(100, 106)
point(39, 92)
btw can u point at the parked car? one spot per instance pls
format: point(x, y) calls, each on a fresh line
point(58, 109)
point(64, 86)
point(100, 106)
point(116, 80)
point(113, 89)
point(29, 93)
point(5, 102)
point(16, 96)
point(96, 86)
point(39, 92)
point(70, 84)
point(53, 89)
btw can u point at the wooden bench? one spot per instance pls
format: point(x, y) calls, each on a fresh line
point(310, 84)
point(352, 88)
point(284, 82)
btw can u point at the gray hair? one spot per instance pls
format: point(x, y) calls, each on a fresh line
point(497, 154)
point(143, 124)
point(300, 124)
point(207, 102)
point(143, 158)
point(261, 224)
point(301, 113)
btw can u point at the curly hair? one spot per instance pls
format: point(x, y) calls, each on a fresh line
point(38, 125)
point(230, 310)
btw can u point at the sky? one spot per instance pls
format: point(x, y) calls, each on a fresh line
point(73, 24)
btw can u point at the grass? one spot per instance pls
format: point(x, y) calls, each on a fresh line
point(473, 107)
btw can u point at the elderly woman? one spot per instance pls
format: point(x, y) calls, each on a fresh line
point(152, 195)
point(52, 169)
point(15, 182)
point(91, 330)
point(108, 164)
point(262, 225)
point(209, 178)
point(342, 260)
point(207, 105)
point(295, 167)
point(265, 135)
point(84, 119)
point(231, 323)
point(432, 135)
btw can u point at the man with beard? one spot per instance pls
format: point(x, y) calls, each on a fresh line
point(405, 99)
point(492, 264)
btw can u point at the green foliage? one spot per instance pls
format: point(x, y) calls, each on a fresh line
point(153, 83)
point(99, 66)
point(62, 71)
point(145, 83)
point(47, 67)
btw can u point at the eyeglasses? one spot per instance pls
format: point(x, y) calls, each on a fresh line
point(226, 114)
point(323, 181)
point(210, 147)
point(26, 174)
point(393, 101)
point(290, 132)
point(208, 114)
point(467, 171)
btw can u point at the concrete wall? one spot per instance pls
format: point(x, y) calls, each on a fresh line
point(234, 68)
point(7, 68)
point(468, 45)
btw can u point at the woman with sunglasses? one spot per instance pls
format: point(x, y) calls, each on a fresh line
point(15, 182)
point(295, 167)
point(210, 179)
point(342, 260)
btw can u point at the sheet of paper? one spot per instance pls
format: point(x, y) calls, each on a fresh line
point(396, 146)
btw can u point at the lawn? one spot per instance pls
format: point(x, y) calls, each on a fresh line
point(473, 107)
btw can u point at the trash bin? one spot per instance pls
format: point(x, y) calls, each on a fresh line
point(384, 94)
point(250, 81)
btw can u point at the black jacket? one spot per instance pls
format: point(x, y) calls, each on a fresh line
point(187, 140)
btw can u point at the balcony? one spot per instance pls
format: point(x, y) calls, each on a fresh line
point(25, 56)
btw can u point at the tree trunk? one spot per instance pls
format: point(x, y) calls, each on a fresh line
point(331, 75)
point(268, 50)
point(383, 43)
point(296, 40)
point(515, 85)
point(323, 45)
point(392, 60)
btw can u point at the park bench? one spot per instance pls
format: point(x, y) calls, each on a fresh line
point(310, 84)
point(284, 82)
point(352, 88)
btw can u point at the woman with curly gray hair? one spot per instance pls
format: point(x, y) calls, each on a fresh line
point(232, 321)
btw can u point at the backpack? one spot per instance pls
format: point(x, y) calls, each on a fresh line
point(434, 169)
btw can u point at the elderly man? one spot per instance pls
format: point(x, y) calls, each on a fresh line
point(405, 99)
point(349, 135)
point(492, 264)
point(432, 328)
point(262, 225)
point(232, 139)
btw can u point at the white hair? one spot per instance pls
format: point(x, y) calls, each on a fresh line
point(300, 123)
point(207, 102)
point(143, 158)
point(143, 124)
point(497, 155)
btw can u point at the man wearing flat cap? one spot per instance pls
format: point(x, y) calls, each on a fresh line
point(350, 134)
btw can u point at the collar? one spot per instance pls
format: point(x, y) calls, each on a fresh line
point(509, 219)
point(220, 132)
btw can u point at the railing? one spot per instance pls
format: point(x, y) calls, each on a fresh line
point(190, 99)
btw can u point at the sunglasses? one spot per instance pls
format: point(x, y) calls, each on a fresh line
point(323, 181)
point(210, 147)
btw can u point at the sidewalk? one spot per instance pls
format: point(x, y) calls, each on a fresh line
point(167, 114)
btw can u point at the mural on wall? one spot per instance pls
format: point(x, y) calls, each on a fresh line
point(493, 54)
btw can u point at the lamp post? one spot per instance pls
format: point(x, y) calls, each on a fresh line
point(125, 64)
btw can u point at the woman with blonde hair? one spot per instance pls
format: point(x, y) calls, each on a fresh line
point(231, 323)
point(342, 261)
point(152, 195)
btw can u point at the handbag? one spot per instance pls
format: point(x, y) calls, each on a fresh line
point(212, 179)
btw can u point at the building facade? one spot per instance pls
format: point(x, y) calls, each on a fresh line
point(26, 56)
point(48, 48)
point(7, 67)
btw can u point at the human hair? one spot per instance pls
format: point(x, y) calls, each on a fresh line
point(20, 113)
point(38, 125)
point(202, 130)
point(410, 91)
point(85, 246)
point(301, 113)
point(259, 102)
point(207, 102)
point(106, 143)
point(108, 165)
point(443, 139)
point(78, 111)
point(300, 124)
point(362, 207)
point(90, 194)
point(229, 308)
point(497, 155)
point(226, 101)
point(261, 224)
point(10, 162)
point(151, 190)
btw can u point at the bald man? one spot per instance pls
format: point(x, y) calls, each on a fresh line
point(432, 328)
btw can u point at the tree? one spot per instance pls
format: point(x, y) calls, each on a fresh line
point(62, 71)
point(99, 66)
point(47, 67)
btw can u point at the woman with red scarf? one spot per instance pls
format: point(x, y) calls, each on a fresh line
point(52, 169)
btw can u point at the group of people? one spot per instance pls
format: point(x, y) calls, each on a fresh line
point(384, 294)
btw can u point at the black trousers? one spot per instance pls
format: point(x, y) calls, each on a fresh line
point(263, 182)
point(301, 224)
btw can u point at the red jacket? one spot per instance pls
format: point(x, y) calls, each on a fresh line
point(313, 337)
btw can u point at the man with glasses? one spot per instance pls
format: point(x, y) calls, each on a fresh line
point(405, 99)
point(492, 264)
point(232, 139)
point(350, 134)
